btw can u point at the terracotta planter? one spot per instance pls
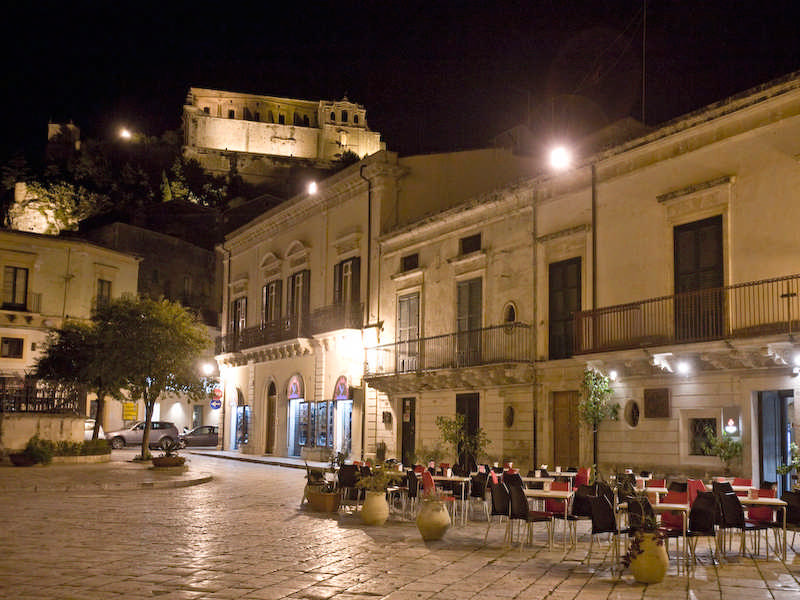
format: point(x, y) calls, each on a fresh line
point(168, 461)
point(20, 459)
point(651, 565)
point(375, 509)
point(433, 520)
point(323, 501)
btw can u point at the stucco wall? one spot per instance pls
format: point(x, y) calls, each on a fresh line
point(17, 428)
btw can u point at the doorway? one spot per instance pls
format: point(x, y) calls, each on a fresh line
point(409, 435)
point(469, 406)
point(272, 398)
point(566, 431)
point(774, 435)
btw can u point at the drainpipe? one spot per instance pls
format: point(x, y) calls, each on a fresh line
point(535, 324)
point(368, 301)
point(225, 301)
point(67, 277)
point(594, 236)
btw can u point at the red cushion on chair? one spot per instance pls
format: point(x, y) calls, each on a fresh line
point(673, 520)
point(582, 478)
point(495, 481)
point(556, 506)
point(742, 481)
point(761, 514)
point(692, 487)
point(655, 483)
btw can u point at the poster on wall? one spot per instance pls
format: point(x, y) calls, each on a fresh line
point(129, 411)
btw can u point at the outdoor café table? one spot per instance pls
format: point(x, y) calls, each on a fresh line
point(774, 503)
point(537, 479)
point(682, 508)
point(464, 483)
point(742, 488)
point(555, 495)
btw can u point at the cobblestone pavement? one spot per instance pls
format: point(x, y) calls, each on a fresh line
point(243, 535)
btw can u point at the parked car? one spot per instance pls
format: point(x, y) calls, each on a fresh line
point(205, 435)
point(89, 429)
point(161, 433)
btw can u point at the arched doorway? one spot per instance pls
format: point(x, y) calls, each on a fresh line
point(298, 417)
point(272, 400)
point(242, 432)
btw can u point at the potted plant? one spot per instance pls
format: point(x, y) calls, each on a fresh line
point(793, 464)
point(169, 455)
point(375, 509)
point(433, 519)
point(467, 446)
point(727, 448)
point(321, 490)
point(595, 405)
point(646, 555)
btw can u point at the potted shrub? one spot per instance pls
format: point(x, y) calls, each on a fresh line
point(467, 446)
point(375, 509)
point(322, 493)
point(794, 462)
point(433, 520)
point(727, 448)
point(169, 455)
point(646, 555)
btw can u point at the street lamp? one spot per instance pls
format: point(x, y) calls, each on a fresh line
point(560, 158)
point(125, 133)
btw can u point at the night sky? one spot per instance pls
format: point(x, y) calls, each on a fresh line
point(434, 76)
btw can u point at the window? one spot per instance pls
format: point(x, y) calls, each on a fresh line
point(15, 288)
point(355, 119)
point(333, 116)
point(344, 116)
point(407, 332)
point(281, 119)
point(297, 301)
point(187, 286)
point(270, 117)
point(509, 313)
point(564, 297)
point(469, 309)
point(697, 435)
point(257, 116)
point(103, 292)
point(206, 110)
point(11, 347)
point(346, 281)
point(306, 121)
point(471, 243)
point(238, 316)
point(231, 113)
point(271, 301)
point(409, 262)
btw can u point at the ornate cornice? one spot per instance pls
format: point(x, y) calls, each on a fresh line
point(449, 379)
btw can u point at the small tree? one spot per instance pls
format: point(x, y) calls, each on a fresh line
point(76, 358)
point(594, 405)
point(159, 342)
point(467, 447)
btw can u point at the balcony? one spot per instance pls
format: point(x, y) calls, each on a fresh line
point(500, 344)
point(271, 332)
point(337, 316)
point(328, 318)
point(38, 397)
point(757, 308)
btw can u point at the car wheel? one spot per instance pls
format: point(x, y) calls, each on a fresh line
point(164, 442)
point(117, 443)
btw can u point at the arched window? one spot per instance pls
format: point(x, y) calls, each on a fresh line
point(333, 116)
point(355, 119)
point(344, 116)
point(306, 122)
point(206, 110)
point(281, 119)
point(231, 113)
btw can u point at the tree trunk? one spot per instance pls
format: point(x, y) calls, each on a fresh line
point(594, 448)
point(149, 406)
point(98, 418)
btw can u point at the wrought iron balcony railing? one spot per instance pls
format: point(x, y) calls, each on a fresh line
point(328, 318)
point(490, 345)
point(756, 308)
point(33, 397)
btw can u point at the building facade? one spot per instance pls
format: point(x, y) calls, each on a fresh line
point(45, 280)
point(302, 300)
point(263, 138)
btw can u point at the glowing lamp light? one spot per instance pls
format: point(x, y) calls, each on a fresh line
point(612, 375)
point(797, 360)
point(683, 367)
point(208, 369)
point(560, 158)
point(312, 188)
point(730, 427)
point(125, 133)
